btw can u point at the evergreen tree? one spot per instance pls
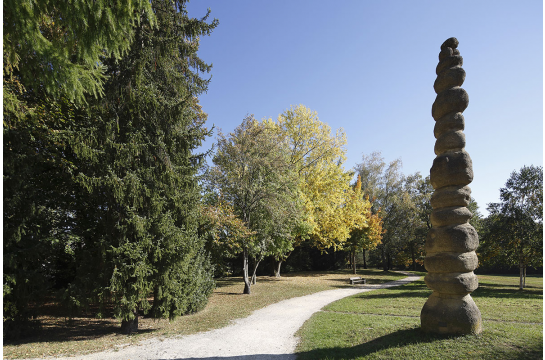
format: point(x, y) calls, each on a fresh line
point(110, 191)
point(142, 176)
point(52, 53)
point(57, 46)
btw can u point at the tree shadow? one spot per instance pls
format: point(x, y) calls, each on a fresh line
point(228, 293)
point(397, 339)
point(415, 289)
point(244, 357)
point(406, 337)
point(77, 329)
point(488, 290)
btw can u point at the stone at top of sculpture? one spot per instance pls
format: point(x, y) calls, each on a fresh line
point(452, 241)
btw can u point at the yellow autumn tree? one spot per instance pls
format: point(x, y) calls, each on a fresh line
point(332, 208)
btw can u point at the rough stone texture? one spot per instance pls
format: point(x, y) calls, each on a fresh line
point(446, 52)
point(451, 77)
point(451, 196)
point(452, 283)
point(450, 169)
point(450, 43)
point(453, 238)
point(449, 100)
point(450, 216)
point(445, 262)
point(451, 314)
point(452, 241)
point(450, 141)
point(451, 122)
point(448, 62)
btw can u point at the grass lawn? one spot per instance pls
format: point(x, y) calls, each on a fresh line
point(59, 335)
point(385, 324)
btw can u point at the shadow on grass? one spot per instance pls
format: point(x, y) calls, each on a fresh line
point(488, 290)
point(236, 281)
point(397, 339)
point(401, 338)
point(418, 289)
point(72, 330)
point(348, 272)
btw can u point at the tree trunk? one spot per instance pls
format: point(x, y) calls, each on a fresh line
point(383, 257)
point(521, 268)
point(389, 261)
point(278, 263)
point(247, 283)
point(254, 275)
point(354, 261)
point(364, 261)
point(524, 282)
point(130, 326)
point(384, 264)
point(277, 268)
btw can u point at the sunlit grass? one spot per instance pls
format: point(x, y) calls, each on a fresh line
point(385, 324)
point(60, 336)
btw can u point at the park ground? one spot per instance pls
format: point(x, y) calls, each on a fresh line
point(380, 324)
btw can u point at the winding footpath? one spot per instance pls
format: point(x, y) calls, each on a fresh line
point(267, 334)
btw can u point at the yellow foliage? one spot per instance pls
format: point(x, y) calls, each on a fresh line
point(333, 209)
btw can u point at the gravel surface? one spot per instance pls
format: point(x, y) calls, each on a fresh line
point(268, 333)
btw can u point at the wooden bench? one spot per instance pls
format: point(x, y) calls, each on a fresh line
point(357, 279)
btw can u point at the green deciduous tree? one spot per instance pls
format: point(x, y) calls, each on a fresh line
point(252, 173)
point(514, 229)
point(384, 185)
point(404, 207)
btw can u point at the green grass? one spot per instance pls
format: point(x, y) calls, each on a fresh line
point(85, 334)
point(385, 324)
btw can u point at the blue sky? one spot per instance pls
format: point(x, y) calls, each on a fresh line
point(368, 67)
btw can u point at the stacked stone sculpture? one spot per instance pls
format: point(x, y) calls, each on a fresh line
point(452, 241)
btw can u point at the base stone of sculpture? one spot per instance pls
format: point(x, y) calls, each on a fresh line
point(452, 241)
point(451, 314)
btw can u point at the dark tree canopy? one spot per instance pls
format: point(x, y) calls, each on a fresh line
point(101, 201)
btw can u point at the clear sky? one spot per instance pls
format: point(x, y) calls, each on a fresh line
point(368, 66)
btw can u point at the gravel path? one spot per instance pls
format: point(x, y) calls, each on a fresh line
point(268, 333)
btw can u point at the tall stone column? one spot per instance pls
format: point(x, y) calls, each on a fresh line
point(452, 241)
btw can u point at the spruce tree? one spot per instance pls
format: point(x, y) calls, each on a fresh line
point(52, 53)
point(142, 174)
point(100, 200)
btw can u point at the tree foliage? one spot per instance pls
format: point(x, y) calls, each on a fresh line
point(113, 181)
point(403, 201)
point(513, 232)
point(252, 173)
point(367, 237)
point(58, 47)
point(331, 207)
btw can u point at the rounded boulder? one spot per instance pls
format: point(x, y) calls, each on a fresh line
point(461, 238)
point(451, 169)
point(451, 262)
point(451, 100)
point(449, 78)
